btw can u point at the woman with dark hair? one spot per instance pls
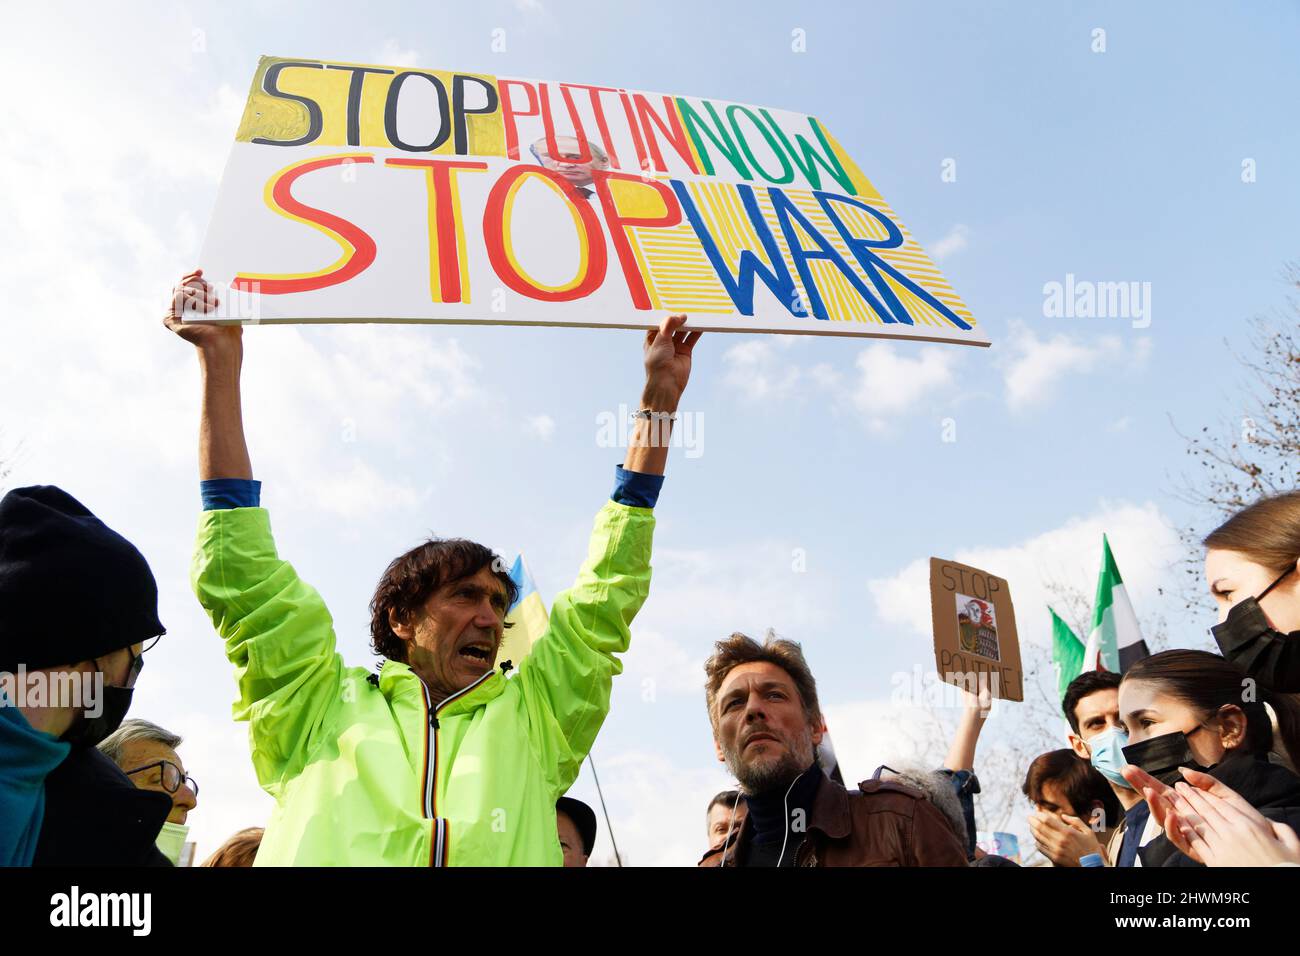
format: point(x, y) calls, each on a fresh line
point(1250, 564)
point(1193, 709)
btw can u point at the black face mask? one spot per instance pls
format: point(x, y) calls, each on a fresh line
point(1246, 622)
point(1162, 756)
point(91, 731)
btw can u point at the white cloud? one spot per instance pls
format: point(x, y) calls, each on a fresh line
point(955, 241)
point(358, 492)
point(91, 251)
point(888, 381)
point(1037, 366)
point(1142, 539)
point(657, 664)
point(359, 389)
point(702, 596)
point(393, 53)
point(541, 426)
point(891, 383)
point(868, 733)
point(750, 586)
point(757, 369)
point(1141, 352)
point(529, 6)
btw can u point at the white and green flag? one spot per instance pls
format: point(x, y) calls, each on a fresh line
point(1116, 639)
point(1067, 654)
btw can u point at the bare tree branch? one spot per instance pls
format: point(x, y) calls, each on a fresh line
point(1241, 460)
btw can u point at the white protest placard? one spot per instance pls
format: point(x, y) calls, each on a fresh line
point(367, 193)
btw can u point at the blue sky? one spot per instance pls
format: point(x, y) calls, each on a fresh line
point(1123, 165)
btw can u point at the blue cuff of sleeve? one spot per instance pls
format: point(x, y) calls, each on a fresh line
point(221, 494)
point(636, 489)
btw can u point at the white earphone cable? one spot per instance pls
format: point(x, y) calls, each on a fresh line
point(785, 811)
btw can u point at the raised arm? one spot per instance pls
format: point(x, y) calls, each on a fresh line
point(960, 762)
point(567, 676)
point(961, 752)
point(223, 452)
point(667, 369)
point(277, 630)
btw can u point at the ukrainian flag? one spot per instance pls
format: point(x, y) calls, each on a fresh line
point(527, 615)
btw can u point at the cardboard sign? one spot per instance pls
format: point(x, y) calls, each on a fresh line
point(975, 643)
point(366, 193)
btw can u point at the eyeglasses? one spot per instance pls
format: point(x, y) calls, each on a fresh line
point(172, 777)
point(137, 660)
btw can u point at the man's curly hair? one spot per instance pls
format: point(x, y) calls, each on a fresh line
point(412, 577)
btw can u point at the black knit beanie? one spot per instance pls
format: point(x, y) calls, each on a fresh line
point(71, 588)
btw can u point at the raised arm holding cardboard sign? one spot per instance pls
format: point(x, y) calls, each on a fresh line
point(418, 764)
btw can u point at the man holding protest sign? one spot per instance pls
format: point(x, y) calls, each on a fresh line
point(438, 759)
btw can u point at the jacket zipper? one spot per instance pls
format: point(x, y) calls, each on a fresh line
point(438, 846)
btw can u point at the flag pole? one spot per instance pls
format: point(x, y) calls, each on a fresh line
point(603, 809)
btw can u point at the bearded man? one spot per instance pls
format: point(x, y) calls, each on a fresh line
point(762, 701)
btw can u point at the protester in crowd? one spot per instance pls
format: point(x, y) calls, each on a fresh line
point(577, 827)
point(1250, 564)
point(239, 850)
point(959, 765)
point(726, 810)
point(437, 705)
point(1075, 808)
point(762, 703)
point(147, 754)
point(1193, 709)
point(1091, 706)
point(78, 610)
point(937, 787)
point(1212, 824)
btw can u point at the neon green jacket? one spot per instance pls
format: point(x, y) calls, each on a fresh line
point(374, 773)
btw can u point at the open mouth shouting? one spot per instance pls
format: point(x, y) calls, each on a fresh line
point(477, 654)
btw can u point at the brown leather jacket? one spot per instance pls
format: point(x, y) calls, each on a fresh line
point(882, 823)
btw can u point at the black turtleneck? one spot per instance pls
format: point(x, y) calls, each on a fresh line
point(771, 815)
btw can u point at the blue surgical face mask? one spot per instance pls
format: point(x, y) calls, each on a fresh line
point(1107, 750)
